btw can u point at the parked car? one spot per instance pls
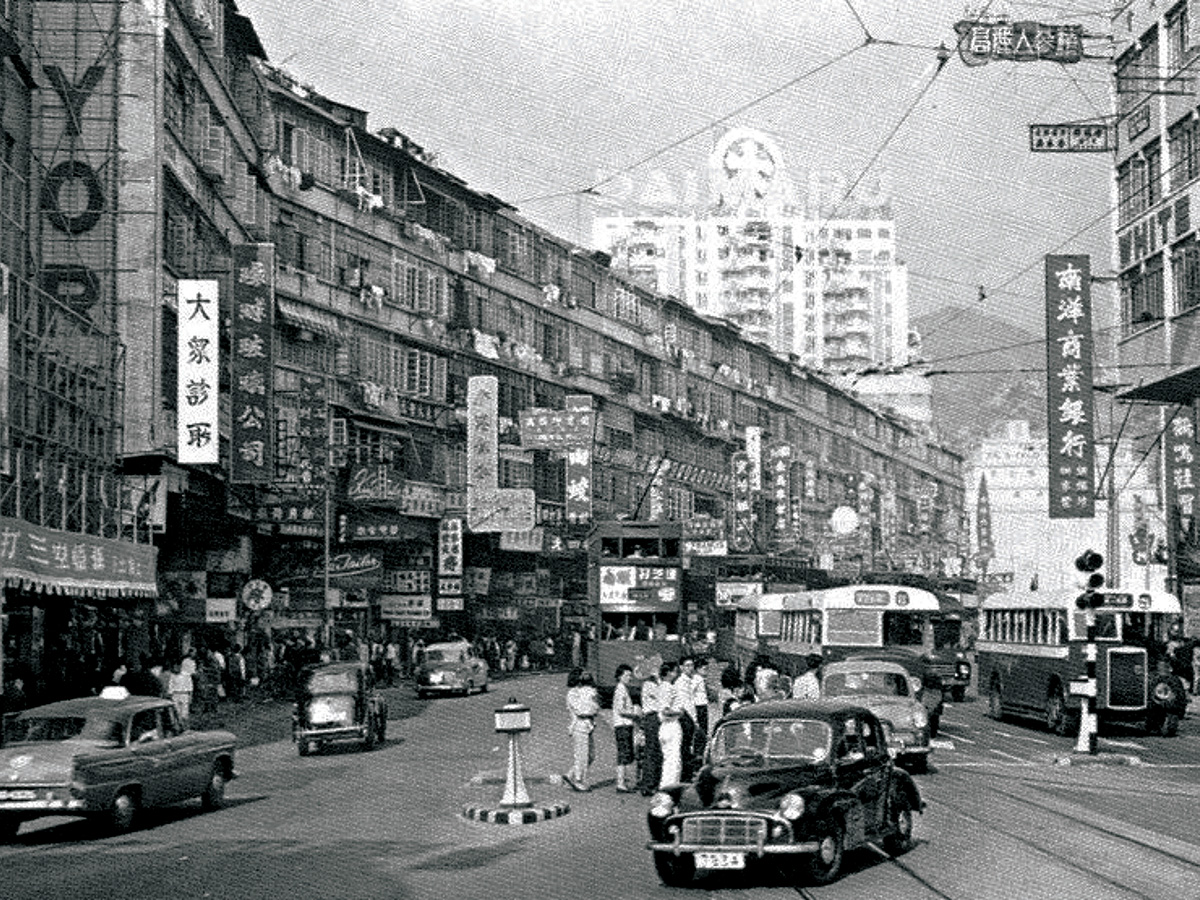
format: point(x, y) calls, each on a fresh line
point(451, 667)
point(885, 689)
point(107, 757)
point(338, 702)
point(795, 782)
point(924, 681)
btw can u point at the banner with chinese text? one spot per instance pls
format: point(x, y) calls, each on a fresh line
point(1180, 450)
point(252, 458)
point(199, 368)
point(1069, 389)
point(64, 562)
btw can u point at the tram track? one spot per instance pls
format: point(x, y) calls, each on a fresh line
point(1157, 853)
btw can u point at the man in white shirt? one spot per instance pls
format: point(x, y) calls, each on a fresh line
point(652, 759)
point(700, 699)
point(690, 721)
point(808, 685)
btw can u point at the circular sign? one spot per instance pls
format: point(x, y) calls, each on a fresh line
point(256, 595)
point(844, 520)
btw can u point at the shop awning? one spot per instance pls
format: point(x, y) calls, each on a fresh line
point(1179, 387)
point(314, 320)
point(47, 560)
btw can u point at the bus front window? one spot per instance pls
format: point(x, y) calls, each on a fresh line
point(902, 629)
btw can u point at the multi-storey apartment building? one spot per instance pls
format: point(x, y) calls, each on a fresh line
point(805, 276)
point(1157, 254)
point(367, 286)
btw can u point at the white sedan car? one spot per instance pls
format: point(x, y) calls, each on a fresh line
point(885, 688)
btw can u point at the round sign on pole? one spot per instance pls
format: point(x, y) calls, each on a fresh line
point(257, 595)
point(844, 520)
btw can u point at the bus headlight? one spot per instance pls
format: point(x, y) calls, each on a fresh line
point(791, 807)
point(661, 805)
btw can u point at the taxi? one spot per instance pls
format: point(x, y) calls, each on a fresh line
point(107, 757)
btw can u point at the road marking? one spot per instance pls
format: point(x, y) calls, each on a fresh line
point(965, 740)
point(1134, 744)
point(1002, 753)
point(939, 744)
point(1024, 737)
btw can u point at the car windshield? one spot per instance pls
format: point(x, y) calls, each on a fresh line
point(66, 728)
point(849, 684)
point(766, 741)
point(332, 682)
point(444, 655)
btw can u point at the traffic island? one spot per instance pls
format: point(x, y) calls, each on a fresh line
point(515, 815)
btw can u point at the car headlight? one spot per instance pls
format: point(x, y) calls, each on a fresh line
point(920, 718)
point(435, 677)
point(914, 684)
point(791, 807)
point(661, 805)
point(963, 670)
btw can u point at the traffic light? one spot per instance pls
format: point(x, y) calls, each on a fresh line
point(1089, 562)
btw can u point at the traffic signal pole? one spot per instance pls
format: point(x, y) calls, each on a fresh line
point(1087, 713)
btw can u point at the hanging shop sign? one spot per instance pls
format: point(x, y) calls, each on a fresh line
point(1070, 138)
point(730, 593)
point(199, 371)
point(1181, 453)
point(553, 429)
point(450, 547)
point(60, 562)
point(1069, 387)
point(742, 530)
point(983, 524)
point(704, 536)
point(252, 429)
point(483, 441)
point(414, 607)
point(981, 42)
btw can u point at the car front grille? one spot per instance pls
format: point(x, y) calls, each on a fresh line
point(724, 831)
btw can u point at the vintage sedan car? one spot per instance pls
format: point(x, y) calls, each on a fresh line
point(924, 681)
point(885, 689)
point(451, 667)
point(338, 702)
point(107, 757)
point(790, 782)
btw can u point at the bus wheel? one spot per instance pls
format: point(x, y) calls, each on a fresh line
point(1056, 712)
point(996, 702)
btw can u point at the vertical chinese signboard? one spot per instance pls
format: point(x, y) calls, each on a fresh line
point(1069, 388)
point(780, 467)
point(1181, 451)
point(579, 464)
point(252, 460)
point(199, 368)
point(312, 432)
point(741, 532)
point(483, 441)
point(986, 551)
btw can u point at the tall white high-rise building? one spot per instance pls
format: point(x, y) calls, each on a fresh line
point(809, 273)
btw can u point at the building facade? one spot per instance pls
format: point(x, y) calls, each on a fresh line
point(816, 276)
point(357, 288)
point(1156, 251)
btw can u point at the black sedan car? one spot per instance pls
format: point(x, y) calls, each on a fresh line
point(792, 782)
point(338, 702)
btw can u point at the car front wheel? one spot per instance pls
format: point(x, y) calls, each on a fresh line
point(123, 813)
point(826, 863)
point(214, 792)
point(900, 824)
point(675, 871)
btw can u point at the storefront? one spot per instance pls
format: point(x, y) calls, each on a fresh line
point(75, 606)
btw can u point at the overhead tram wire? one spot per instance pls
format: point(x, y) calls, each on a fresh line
point(699, 132)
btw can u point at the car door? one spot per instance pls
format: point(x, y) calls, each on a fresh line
point(189, 762)
point(874, 782)
point(152, 756)
point(853, 770)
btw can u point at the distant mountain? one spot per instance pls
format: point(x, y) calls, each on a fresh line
point(996, 372)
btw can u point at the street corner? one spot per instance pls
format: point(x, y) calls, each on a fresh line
point(518, 815)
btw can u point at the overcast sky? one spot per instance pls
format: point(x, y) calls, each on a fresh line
point(537, 100)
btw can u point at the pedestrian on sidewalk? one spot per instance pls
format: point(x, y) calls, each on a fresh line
point(625, 714)
point(584, 704)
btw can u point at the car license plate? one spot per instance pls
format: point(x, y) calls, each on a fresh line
point(709, 860)
point(17, 795)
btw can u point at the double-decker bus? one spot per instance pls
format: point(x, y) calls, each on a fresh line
point(635, 575)
point(1032, 646)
